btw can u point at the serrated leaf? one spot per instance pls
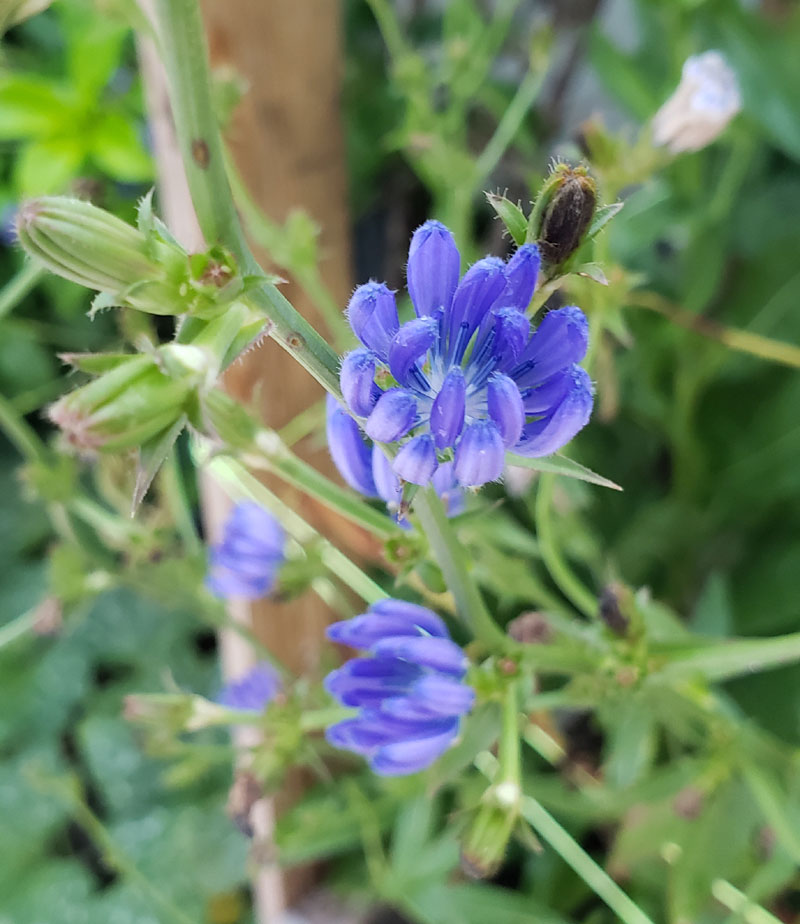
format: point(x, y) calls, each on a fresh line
point(151, 458)
point(511, 215)
point(145, 218)
point(603, 216)
point(561, 465)
point(102, 302)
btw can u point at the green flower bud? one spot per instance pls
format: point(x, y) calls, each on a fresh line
point(86, 244)
point(484, 845)
point(131, 403)
point(563, 213)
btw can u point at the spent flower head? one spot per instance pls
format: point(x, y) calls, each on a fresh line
point(468, 378)
point(246, 563)
point(410, 692)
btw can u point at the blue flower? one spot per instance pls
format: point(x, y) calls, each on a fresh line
point(246, 562)
point(365, 467)
point(467, 378)
point(253, 691)
point(410, 693)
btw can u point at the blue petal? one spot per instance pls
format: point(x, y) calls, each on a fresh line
point(409, 345)
point(357, 378)
point(559, 341)
point(420, 616)
point(439, 654)
point(366, 682)
point(521, 273)
point(386, 481)
point(549, 434)
point(226, 584)
point(411, 756)
point(504, 403)
point(479, 455)
point(253, 521)
point(543, 398)
point(433, 268)
point(416, 461)
point(371, 730)
point(252, 691)
point(393, 416)
point(372, 313)
point(447, 413)
point(476, 294)
point(350, 454)
point(365, 630)
point(512, 330)
point(431, 696)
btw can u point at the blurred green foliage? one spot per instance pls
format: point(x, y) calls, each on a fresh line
point(703, 439)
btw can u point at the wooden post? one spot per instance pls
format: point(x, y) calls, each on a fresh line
point(286, 140)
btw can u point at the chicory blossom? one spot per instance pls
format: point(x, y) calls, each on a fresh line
point(365, 467)
point(253, 691)
point(409, 692)
point(246, 563)
point(467, 378)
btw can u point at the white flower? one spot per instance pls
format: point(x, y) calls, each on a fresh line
point(706, 99)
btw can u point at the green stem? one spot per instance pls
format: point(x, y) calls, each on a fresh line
point(575, 856)
point(185, 56)
point(559, 570)
point(178, 502)
point(18, 286)
point(509, 751)
point(235, 478)
point(451, 558)
point(21, 435)
point(508, 126)
point(740, 904)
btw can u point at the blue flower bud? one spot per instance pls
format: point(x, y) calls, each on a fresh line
point(252, 692)
point(548, 435)
point(357, 379)
point(479, 454)
point(393, 416)
point(433, 268)
point(246, 563)
point(372, 313)
point(409, 345)
point(351, 455)
point(416, 461)
point(386, 481)
point(521, 273)
point(449, 406)
point(409, 693)
point(560, 340)
point(505, 407)
point(476, 294)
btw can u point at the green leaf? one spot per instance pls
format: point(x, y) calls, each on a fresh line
point(602, 217)
point(724, 660)
point(151, 457)
point(561, 465)
point(476, 903)
point(511, 215)
point(117, 150)
point(30, 107)
point(45, 167)
point(630, 743)
point(773, 801)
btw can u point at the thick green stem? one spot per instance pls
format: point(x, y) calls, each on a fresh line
point(235, 478)
point(18, 286)
point(449, 554)
point(575, 856)
point(185, 56)
point(21, 435)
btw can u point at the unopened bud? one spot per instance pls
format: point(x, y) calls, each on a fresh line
point(706, 100)
point(124, 407)
point(81, 242)
point(563, 213)
point(486, 839)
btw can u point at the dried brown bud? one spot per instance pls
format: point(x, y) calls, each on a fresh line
point(530, 629)
point(572, 199)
